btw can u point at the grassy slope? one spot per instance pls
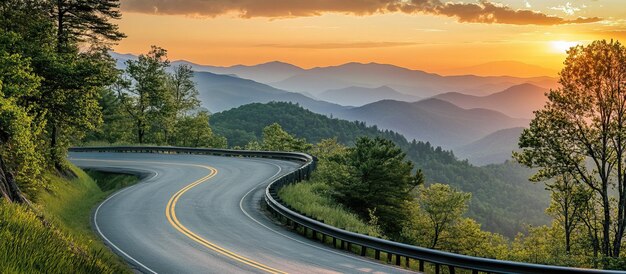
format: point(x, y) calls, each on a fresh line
point(311, 199)
point(69, 245)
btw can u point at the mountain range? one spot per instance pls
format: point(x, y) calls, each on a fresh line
point(358, 96)
point(494, 148)
point(407, 81)
point(222, 92)
point(498, 67)
point(452, 120)
point(437, 121)
point(516, 101)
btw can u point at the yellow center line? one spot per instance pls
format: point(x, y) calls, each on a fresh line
point(170, 213)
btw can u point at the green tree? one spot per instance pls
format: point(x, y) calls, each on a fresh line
point(194, 131)
point(443, 206)
point(568, 200)
point(143, 94)
point(84, 21)
point(277, 139)
point(49, 33)
point(21, 164)
point(380, 181)
point(183, 89)
point(584, 122)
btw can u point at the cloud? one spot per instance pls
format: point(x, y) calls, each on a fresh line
point(477, 12)
point(567, 8)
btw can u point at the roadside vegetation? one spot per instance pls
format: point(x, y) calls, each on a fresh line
point(56, 237)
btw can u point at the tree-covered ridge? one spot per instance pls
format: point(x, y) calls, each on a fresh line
point(502, 201)
point(245, 123)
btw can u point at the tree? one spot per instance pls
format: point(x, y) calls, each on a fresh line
point(568, 200)
point(20, 163)
point(49, 32)
point(194, 131)
point(443, 206)
point(144, 94)
point(581, 132)
point(86, 20)
point(380, 180)
point(277, 139)
point(183, 89)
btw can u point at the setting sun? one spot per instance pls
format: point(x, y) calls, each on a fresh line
point(563, 46)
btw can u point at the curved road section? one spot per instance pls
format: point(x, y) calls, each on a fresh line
point(202, 214)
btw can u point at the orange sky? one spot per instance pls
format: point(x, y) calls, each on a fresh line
point(320, 33)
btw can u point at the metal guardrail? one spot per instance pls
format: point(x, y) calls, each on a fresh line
point(347, 239)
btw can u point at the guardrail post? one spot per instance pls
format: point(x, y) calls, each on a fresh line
point(334, 242)
point(451, 269)
point(474, 271)
point(350, 246)
point(377, 254)
point(397, 259)
point(363, 250)
point(437, 269)
point(314, 234)
point(343, 244)
point(407, 262)
point(421, 265)
point(389, 255)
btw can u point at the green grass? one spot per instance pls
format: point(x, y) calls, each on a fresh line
point(64, 242)
point(70, 203)
point(312, 199)
point(28, 246)
point(57, 238)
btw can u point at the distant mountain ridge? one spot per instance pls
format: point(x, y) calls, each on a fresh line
point(358, 96)
point(371, 75)
point(407, 81)
point(494, 148)
point(516, 101)
point(222, 92)
point(497, 68)
point(437, 121)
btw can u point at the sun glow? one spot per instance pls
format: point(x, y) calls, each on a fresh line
point(563, 46)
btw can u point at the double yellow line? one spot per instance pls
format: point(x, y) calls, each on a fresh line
point(170, 213)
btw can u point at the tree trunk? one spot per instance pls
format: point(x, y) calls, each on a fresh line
point(606, 225)
point(140, 132)
point(54, 151)
point(8, 187)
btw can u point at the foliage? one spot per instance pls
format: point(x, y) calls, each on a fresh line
point(63, 242)
point(244, 124)
point(276, 139)
point(314, 199)
point(443, 206)
point(150, 105)
point(47, 34)
point(580, 134)
point(194, 131)
point(379, 179)
point(18, 130)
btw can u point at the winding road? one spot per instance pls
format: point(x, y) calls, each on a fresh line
point(202, 214)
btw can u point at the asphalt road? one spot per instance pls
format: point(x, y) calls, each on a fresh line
point(202, 214)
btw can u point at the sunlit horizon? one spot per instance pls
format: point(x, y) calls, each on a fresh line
point(333, 36)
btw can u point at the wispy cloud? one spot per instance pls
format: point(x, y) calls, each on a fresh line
point(568, 8)
point(482, 11)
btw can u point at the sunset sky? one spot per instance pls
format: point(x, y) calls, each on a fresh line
point(429, 35)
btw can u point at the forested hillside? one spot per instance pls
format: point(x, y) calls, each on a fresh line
point(503, 199)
